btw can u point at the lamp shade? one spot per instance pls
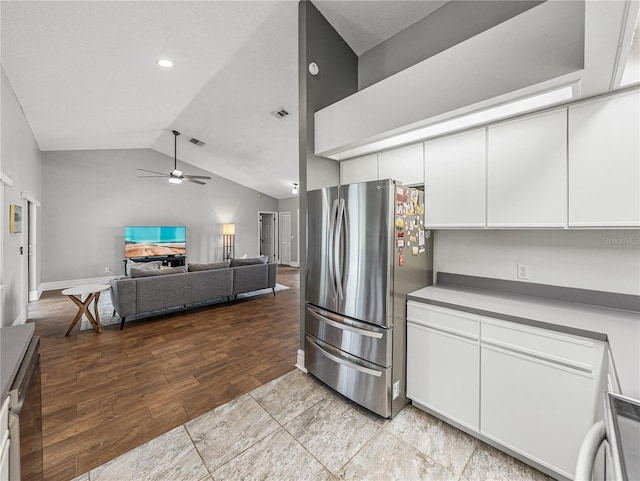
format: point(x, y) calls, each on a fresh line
point(229, 229)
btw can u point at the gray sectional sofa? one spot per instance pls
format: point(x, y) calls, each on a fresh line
point(200, 283)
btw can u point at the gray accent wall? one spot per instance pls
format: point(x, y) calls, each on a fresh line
point(89, 196)
point(450, 25)
point(20, 159)
point(338, 78)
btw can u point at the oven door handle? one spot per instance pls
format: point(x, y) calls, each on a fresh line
point(588, 449)
point(344, 327)
point(350, 365)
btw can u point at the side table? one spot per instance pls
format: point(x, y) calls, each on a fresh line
point(82, 296)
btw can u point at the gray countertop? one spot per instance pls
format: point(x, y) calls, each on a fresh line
point(14, 341)
point(621, 328)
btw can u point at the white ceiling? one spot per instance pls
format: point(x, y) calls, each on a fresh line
point(84, 73)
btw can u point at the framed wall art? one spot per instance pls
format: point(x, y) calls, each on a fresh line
point(15, 219)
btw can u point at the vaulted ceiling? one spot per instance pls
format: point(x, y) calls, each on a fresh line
point(86, 77)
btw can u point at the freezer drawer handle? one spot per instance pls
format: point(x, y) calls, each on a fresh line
point(345, 327)
point(351, 365)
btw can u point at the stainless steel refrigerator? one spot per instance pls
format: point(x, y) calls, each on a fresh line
point(366, 249)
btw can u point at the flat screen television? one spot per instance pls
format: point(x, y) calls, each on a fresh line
point(154, 240)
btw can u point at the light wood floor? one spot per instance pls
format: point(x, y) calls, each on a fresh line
point(104, 394)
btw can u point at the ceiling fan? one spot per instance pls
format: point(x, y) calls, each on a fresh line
point(176, 176)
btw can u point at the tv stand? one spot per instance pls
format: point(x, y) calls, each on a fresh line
point(169, 261)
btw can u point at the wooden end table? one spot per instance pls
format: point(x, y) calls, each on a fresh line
point(82, 296)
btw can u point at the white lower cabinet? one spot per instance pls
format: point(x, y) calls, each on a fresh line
point(442, 373)
point(534, 391)
point(536, 408)
point(443, 352)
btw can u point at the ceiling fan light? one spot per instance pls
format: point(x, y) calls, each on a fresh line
point(175, 180)
point(176, 173)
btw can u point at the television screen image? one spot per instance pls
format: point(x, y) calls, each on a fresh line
point(149, 241)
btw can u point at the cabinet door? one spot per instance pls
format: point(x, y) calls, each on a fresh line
point(405, 164)
point(536, 408)
point(360, 169)
point(527, 172)
point(604, 162)
point(443, 373)
point(455, 180)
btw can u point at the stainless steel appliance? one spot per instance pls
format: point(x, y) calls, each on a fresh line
point(25, 419)
point(619, 434)
point(366, 249)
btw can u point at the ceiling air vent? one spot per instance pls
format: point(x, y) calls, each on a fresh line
point(197, 142)
point(280, 113)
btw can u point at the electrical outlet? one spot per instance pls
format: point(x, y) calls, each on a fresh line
point(523, 271)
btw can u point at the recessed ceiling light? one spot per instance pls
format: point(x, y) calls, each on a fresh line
point(164, 62)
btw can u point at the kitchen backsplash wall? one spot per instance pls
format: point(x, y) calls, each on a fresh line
point(604, 260)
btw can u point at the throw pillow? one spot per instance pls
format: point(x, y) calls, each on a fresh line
point(208, 267)
point(248, 262)
point(152, 265)
point(135, 272)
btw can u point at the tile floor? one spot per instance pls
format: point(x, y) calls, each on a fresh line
point(294, 428)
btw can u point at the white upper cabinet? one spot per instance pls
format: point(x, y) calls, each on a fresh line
point(455, 181)
point(359, 169)
point(405, 164)
point(527, 171)
point(604, 162)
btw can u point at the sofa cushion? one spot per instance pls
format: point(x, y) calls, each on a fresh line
point(208, 267)
point(135, 272)
point(248, 262)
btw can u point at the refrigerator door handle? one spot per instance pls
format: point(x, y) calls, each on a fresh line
point(332, 246)
point(344, 327)
point(350, 365)
point(337, 261)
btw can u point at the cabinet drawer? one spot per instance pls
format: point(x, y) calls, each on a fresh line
point(571, 351)
point(442, 319)
point(365, 341)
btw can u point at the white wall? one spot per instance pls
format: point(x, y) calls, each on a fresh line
point(21, 160)
point(89, 196)
point(603, 260)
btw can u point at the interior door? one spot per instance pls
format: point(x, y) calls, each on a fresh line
point(285, 237)
point(364, 265)
point(268, 236)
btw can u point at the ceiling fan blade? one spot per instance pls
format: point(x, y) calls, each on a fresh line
point(152, 171)
point(189, 179)
point(198, 177)
point(147, 176)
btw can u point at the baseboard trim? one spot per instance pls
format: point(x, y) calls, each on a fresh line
point(300, 361)
point(21, 319)
point(35, 295)
point(294, 264)
point(52, 286)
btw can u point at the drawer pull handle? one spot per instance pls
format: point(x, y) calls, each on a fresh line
point(351, 365)
point(345, 327)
